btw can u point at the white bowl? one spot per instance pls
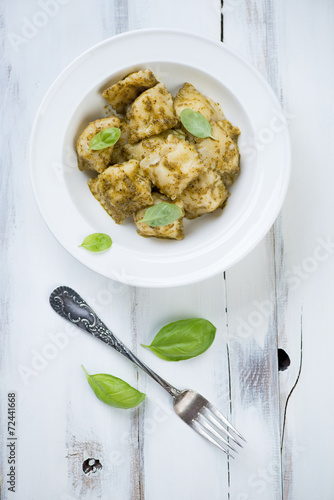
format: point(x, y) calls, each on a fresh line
point(213, 242)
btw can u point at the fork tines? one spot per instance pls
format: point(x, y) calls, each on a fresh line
point(212, 425)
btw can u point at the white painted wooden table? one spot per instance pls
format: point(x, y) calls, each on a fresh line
point(281, 295)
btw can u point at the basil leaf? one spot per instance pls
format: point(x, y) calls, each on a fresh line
point(183, 339)
point(106, 138)
point(196, 123)
point(97, 242)
point(162, 214)
point(114, 391)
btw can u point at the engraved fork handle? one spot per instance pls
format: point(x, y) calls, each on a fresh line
point(68, 304)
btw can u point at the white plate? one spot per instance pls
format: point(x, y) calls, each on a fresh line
point(213, 242)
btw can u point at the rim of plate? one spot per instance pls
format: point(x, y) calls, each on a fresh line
point(196, 275)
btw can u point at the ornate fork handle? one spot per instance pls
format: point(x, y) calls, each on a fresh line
point(68, 304)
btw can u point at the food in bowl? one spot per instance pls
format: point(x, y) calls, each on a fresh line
point(158, 149)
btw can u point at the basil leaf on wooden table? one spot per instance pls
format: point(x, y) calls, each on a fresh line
point(162, 214)
point(183, 339)
point(196, 123)
point(106, 138)
point(114, 391)
point(97, 242)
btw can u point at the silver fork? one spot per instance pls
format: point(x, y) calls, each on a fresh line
point(190, 406)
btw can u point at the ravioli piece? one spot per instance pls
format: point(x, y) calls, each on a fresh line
point(172, 231)
point(151, 113)
point(230, 130)
point(221, 155)
point(172, 166)
point(204, 195)
point(118, 154)
point(89, 159)
point(189, 97)
point(122, 190)
point(145, 147)
point(127, 90)
point(231, 163)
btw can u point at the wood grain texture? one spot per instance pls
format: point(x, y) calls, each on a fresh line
point(281, 291)
point(197, 468)
point(307, 232)
point(300, 259)
point(251, 298)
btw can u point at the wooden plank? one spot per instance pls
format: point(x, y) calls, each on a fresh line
point(191, 16)
point(186, 459)
point(60, 422)
point(251, 297)
point(196, 469)
point(308, 264)
point(303, 255)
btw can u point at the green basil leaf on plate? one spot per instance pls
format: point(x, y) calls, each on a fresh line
point(162, 214)
point(114, 391)
point(106, 138)
point(196, 123)
point(183, 339)
point(97, 242)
